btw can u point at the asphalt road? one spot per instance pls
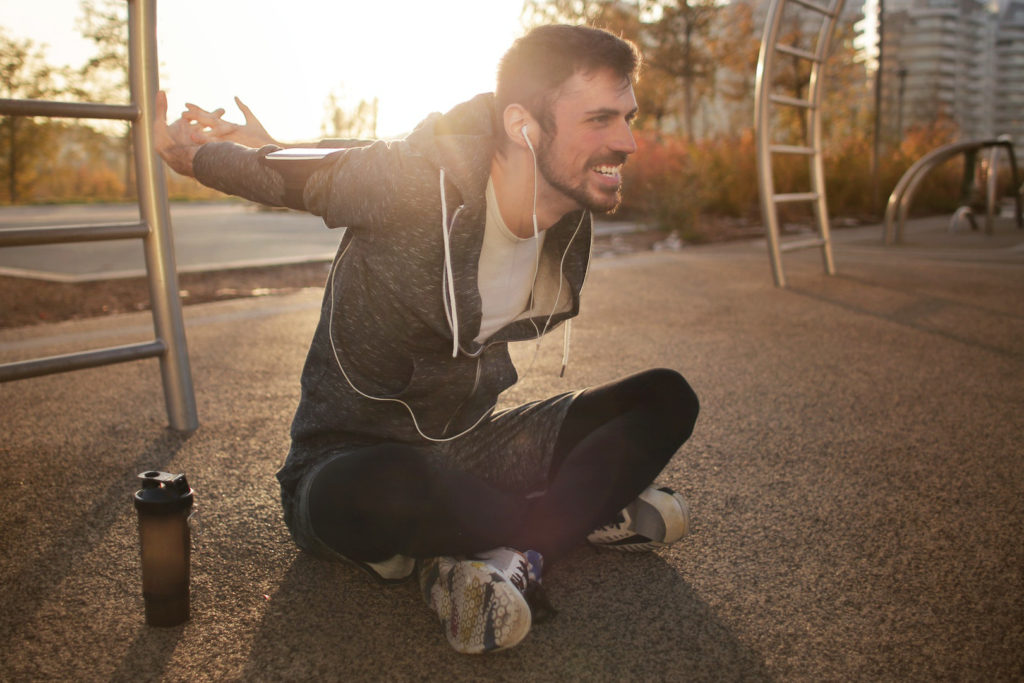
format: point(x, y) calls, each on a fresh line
point(207, 236)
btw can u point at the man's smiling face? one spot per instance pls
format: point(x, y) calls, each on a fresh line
point(583, 158)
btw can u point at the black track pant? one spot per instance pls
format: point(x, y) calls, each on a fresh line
point(389, 499)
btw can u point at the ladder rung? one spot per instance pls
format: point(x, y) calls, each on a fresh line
point(795, 197)
point(791, 101)
point(81, 360)
point(20, 237)
point(79, 110)
point(827, 11)
point(796, 245)
point(791, 149)
point(797, 52)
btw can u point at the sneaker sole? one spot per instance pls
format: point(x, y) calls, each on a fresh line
point(390, 572)
point(653, 520)
point(479, 609)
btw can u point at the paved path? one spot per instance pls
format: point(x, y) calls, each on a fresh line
point(856, 478)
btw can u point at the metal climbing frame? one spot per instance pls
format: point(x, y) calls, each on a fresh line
point(899, 201)
point(154, 230)
point(764, 101)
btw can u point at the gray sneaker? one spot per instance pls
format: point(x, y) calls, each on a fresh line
point(480, 602)
point(659, 517)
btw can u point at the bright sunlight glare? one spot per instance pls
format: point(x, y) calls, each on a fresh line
point(284, 59)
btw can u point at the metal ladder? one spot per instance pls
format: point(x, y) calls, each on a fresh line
point(154, 230)
point(764, 100)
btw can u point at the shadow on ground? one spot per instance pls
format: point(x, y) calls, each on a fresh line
point(326, 618)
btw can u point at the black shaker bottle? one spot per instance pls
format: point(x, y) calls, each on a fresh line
point(164, 504)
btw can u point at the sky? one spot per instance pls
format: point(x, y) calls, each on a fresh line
point(283, 59)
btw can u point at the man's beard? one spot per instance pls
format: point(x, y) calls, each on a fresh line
point(605, 202)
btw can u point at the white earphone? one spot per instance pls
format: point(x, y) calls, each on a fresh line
point(526, 137)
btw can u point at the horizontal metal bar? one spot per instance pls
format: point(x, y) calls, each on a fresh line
point(81, 360)
point(75, 110)
point(795, 197)
point(797, 52)
point(827, 11)
point(791, 149)
point(791, 101)
point(19, 237)
point(797, 245)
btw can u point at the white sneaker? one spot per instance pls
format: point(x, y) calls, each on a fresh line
point(480, 602)
point(395, 569)
point(659, 517)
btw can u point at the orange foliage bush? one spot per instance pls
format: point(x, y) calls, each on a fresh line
point(675, 184)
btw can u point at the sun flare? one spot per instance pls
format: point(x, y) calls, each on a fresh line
point(414, 57)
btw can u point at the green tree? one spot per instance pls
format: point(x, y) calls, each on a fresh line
point(26, 75)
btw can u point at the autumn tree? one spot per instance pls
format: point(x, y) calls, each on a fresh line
point(677, 38)
point(24, 74)
point(104, 78)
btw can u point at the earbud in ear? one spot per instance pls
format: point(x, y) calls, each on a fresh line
point(526, 137)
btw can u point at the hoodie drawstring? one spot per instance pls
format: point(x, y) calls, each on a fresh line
point(448, 281)
point(447, 277)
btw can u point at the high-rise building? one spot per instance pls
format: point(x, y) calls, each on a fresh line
point(1008, 108)
point(954, 59)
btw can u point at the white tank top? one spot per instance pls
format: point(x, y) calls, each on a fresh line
point(508, 267)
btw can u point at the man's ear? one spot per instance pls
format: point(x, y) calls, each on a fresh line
point(515, 118)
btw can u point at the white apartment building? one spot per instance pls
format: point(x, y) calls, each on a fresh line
point(1008, 108)
point(954, 58)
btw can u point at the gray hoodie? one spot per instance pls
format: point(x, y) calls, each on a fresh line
point(381, 365)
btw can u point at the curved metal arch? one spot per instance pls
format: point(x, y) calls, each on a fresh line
point(899, 201)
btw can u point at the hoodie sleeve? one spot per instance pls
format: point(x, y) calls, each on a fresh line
point(239, 171)
point(353, 187)
point(359, 187)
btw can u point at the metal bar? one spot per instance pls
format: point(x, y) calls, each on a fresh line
point(825, 35)
point(792, 149)
point(179, 394)
point(1018, 194)
point(19, 237)
point(790, 197)
point(803, 244)
point(762, 135)
point(797, 52)
point(791, 101)
point(80, 361)
point(991, 186)
point(76, 110)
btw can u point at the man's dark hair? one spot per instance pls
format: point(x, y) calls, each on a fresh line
point(537, 64)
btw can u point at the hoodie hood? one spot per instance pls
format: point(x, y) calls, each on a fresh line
point(462, 142)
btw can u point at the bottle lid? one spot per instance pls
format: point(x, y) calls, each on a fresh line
point(163, 493)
